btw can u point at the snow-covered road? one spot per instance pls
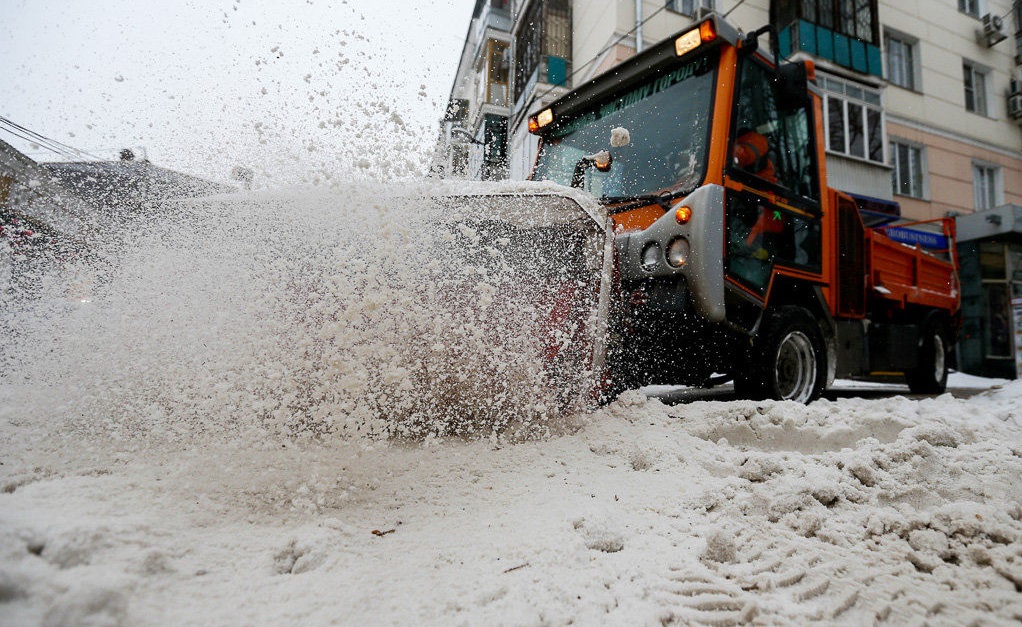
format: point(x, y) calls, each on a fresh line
point(855, 511)
point(241, 414)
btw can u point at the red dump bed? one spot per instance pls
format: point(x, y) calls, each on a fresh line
point(914, 273)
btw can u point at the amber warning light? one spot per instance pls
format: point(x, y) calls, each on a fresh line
point(694, 38)
point(536, 122)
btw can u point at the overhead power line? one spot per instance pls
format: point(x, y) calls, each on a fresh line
point(52, 145)
point(525, 109)
point(34, 140)
point(731, 10)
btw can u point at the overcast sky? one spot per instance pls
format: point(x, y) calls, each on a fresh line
point(295, 89)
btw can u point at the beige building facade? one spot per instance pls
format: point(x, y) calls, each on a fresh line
point(954, 107)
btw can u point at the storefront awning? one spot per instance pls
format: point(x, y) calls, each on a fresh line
point(1003, 221)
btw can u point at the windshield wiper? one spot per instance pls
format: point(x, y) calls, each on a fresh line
point(664, 200)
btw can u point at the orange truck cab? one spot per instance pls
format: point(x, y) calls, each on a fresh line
point(733, 259)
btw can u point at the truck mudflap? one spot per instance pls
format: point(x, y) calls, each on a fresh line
point(644, 254)
point(529, 284)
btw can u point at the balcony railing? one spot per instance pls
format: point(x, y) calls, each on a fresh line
point(552, 70)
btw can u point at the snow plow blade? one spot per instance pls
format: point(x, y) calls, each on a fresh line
point(529, 286)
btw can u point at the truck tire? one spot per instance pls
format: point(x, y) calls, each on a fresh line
point(788, 361)
point(930, 376)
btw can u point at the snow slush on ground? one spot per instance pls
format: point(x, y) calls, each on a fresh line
point(235, 429)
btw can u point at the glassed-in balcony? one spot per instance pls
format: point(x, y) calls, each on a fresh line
point(494, 14)
point(827, 44)
point(494, 69)
point(494, 17)
point(845, 32)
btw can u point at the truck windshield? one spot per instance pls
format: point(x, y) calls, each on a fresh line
point(668, 120)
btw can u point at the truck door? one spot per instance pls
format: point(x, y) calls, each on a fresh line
point(773, 186)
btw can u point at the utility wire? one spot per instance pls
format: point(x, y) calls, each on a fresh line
point(51, 142)
point(46, 142)
point(25, 137)
point(34, 140)
point(93, 150)
point(24, 133)
point(614, 43)
point(740, 3)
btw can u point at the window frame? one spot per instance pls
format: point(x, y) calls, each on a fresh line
point(810, 203)
point(980, 6)
point(980, 169)
point(912, 68)
point(894, 143)
point(1016, 11)
point(828, 85)
point(495, 68)
point(970, 72)
point(677, 6)
point(803, 215)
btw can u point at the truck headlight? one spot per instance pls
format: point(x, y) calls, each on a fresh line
point(677, 252)
point(650, 256)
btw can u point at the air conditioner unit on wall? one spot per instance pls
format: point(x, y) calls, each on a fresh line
point(1015, 106)
point(993, 30)
point(1015, 87)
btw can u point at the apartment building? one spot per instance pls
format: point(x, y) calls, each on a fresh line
point(473, 136)
point(922, 113)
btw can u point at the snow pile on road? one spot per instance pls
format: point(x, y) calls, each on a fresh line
point(856, 511)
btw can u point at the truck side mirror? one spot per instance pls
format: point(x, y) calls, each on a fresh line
point(792, 87)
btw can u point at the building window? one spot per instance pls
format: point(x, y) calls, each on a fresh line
point(1016, 10)
point(543, 42)
point(854, 18)
point(901, 60)
point(969, 7)
point(985, 186)
point(493, 90)
point(495, 151)
point(689, 7)
point(975, 81)
point(907, 176)
point(854, 120)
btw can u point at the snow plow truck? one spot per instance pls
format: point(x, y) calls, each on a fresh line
point(728, 257)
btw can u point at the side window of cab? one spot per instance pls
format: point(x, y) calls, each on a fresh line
point(772, 149)
point(770, 143)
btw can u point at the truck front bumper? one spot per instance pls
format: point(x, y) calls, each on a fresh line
point(700, 279)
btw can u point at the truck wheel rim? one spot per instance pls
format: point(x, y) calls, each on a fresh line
point(938, 358)
point(795, 368)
